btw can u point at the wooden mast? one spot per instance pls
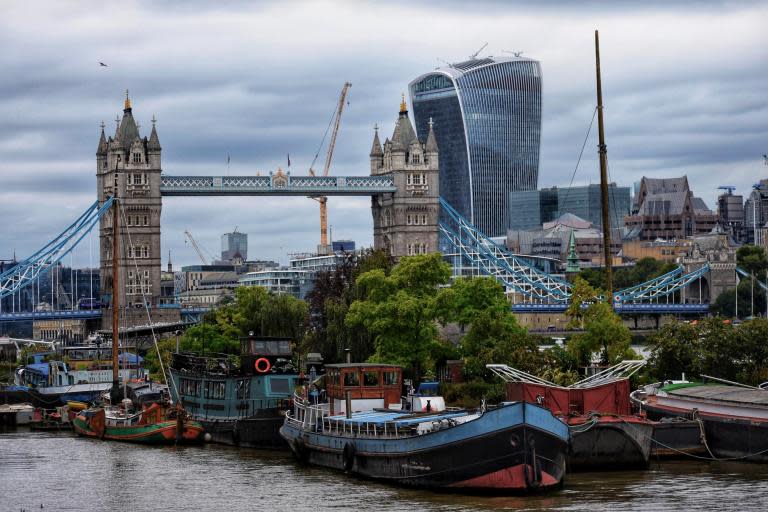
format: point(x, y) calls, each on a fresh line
point(115, 299)
point(603, 152)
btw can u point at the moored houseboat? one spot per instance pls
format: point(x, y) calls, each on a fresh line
point(733, 417)
point(365, 428)
point(239, 400)
point(605, 432)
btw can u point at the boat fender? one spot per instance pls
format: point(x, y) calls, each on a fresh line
point(348, 456)
point(262, 365)
point(235, 435)
point(300, 450)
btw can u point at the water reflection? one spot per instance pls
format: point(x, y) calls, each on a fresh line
point(63, 472)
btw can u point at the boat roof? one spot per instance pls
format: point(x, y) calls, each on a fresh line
point(402, 419)
point(720, 392)
point(362, 365)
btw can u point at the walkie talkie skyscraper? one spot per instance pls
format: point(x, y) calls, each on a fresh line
point(487, 121)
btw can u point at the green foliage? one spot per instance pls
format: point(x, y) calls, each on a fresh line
point(603, 330)
point(751, 300)
point(254, 310)
point(711, 347)
point(469, 394)
point(675, 349)
point(644, 270)
point(329, 302)
point(753, 260)
point(398, 309)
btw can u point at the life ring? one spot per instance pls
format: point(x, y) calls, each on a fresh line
point(348, 456)
point(259, 367)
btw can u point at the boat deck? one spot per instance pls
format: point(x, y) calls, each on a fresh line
point(402, 419)
point(722, 393)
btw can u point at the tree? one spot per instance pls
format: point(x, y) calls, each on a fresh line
point(255, 310)
point(675, 349)
point(604, 332)
point(751, 300)
point(398, 309)
point(494, 335)
point(753, 260)
point(329, 301)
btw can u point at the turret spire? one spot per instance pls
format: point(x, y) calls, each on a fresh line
point(403, 105)
point(127, 101)
point(376, 149)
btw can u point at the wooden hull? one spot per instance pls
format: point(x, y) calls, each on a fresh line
point(163, 432)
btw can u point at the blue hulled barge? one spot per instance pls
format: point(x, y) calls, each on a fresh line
point(367, 429)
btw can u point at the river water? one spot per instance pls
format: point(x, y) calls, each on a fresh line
point(64, 472)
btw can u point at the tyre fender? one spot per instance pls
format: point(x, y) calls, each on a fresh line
point(348, 456)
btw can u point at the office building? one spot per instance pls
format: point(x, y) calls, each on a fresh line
point(730, 213)
point(233, 245)
point(487, 120)
point(667, 208)
point(531, 209)
point(756, 213)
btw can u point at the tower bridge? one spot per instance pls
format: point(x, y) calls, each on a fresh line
point(409, 217)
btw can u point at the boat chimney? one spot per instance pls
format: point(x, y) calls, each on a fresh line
point(348, 404)
point(349, 355)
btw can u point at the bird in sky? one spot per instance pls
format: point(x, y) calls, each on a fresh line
point(103, 65)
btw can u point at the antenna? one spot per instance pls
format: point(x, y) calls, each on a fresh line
point(515, 53)
point(474, 55)
point(445, 62)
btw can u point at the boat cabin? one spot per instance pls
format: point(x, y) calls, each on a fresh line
point(370, 386)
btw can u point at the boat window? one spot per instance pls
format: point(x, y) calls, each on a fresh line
point(243, 389)
point(189, 387)
point(351, 378)
point(215, 389)
point(280, 386)
point(390, 378)
point(371, 378)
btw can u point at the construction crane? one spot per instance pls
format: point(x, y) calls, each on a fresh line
point(323, 200)
point(728, 189)
point(196, 247)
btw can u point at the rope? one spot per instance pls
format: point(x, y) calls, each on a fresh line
point(149, 315)
point(581, 153)
point(712, 457)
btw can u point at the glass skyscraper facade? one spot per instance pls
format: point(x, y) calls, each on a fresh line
point(531, 209)
point(487, 122)
point(234, 243)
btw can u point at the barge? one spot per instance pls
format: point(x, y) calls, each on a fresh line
point(366, 428)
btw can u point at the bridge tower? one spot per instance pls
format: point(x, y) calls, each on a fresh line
point(129, 166)
point(406, 222)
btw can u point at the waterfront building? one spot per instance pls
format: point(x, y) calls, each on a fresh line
point(194, 275)
point(660, 249)
point(284, 280)
point(530, 209)
point(487, 117)
point(233, 245)
point(666, 208)
point(405, 221)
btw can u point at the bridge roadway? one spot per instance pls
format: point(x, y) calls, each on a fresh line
point(657, 309)
point(76, 314)
point(282, 184)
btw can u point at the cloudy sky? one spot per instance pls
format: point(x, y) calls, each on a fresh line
point(684, 91)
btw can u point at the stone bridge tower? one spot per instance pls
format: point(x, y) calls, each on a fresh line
point(405, 222)
point(715, 251)
point(129, 166)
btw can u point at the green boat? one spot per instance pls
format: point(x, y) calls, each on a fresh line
point(146, 426)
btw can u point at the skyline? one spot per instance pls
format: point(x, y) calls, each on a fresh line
point(232, 81)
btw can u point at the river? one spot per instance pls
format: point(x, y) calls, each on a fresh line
point(64, 472)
